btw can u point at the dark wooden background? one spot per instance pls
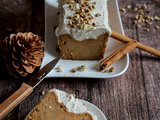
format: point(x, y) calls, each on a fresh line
point(135, 95)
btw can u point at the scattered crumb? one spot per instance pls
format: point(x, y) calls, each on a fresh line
point(156, 26)
point(60, 67)
point(73, 70)
point(111, 69)
point(122, 9)
point(82, 67)
point(146, 29)
point(59, 70)
point(106, 71)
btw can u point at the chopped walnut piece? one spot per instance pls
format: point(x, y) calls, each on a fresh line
point(93, 7)
point(70, 17)
point(74, 70)
point(72, 26)
point(82, 67)
point(98, 14)
point(111, 69)
point(90, 7)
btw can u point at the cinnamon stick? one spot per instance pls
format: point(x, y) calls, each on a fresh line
point(125, 39)
point(118, 54)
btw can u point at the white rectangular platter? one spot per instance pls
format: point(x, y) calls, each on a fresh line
point(51, 19)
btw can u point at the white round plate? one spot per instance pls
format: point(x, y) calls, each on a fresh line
point(91, 107)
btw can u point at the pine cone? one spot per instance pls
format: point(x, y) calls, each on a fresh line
point(22, 53)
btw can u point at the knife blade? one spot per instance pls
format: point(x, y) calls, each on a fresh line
point(26, 89)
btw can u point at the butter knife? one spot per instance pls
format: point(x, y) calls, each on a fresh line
point(26, 89)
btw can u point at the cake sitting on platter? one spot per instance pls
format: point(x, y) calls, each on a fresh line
point(58, 105)
point(83, 29)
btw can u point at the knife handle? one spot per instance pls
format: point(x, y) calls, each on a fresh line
point(14, 99)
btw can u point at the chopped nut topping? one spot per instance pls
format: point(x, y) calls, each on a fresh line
point(144, 6)
point(93, 7)
point(70, 17)
point(90, 7)
point(98, 14)
point(139, 6)
point(72, 26)
point(95, 2)
point(135, 9)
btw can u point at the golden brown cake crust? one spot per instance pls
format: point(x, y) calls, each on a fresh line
point(88, 49)
point(50, 109)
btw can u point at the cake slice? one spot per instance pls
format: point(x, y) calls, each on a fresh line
point(58, 105)
point(83, 29)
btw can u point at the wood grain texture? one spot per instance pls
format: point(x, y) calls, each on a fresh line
point(135, 95)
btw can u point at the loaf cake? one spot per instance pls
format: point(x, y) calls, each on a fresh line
point(83, 29)
point(58, 105)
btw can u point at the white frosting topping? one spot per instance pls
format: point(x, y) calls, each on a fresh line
point(93, 32)
point(72, 104)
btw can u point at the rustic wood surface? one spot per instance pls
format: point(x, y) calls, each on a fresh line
point(135, 95)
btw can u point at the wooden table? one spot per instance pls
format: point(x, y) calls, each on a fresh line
point(135, 95)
